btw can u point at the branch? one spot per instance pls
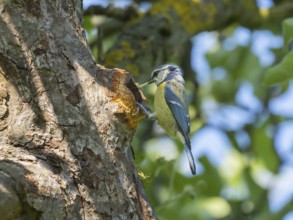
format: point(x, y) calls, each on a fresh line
point(162, 33)
point(265, 17)
point(123, 14)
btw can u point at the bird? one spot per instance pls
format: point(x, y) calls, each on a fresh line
point(171, 109)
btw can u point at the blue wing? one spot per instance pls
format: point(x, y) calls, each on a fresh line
point(178, 109)
point(180, 113)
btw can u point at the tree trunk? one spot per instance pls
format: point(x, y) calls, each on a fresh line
point(66, 123)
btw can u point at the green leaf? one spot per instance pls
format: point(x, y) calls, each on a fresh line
point(263, 148)
point(281, 72)
point(240, 63)
point(211, 182)
point(87, 23)
point(224, 90)
point(255, 190)
point(287, 26)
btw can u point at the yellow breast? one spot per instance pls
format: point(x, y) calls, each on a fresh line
point(164, 114)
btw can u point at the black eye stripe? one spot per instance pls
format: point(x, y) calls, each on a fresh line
point(155, 73)
point(170, 68)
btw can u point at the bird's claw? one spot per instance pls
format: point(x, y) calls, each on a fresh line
point(145, 109)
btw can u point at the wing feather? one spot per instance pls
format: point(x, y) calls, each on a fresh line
point(180, 113)
point(178, 109)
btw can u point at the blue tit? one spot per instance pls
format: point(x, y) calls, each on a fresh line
point(170, 106)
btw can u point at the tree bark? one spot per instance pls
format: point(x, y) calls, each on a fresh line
point(66, 123)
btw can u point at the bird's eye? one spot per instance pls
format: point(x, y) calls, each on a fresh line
point(155, 73)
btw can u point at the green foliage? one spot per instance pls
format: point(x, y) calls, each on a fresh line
point(238, 186)
point(263, 147)
point(282, 72)
point(240, 64)
point(288, 34)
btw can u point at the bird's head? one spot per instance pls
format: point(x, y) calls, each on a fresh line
point(164, 73)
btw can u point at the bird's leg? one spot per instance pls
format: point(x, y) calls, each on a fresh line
point(145, 109)
point(152, 116)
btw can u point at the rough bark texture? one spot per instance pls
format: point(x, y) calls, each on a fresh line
point(65, 128)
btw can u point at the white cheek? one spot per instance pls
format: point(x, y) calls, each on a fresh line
point(160, 77)
point(166, 71)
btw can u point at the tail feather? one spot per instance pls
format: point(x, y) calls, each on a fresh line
point(187, 146)
point(190, 158)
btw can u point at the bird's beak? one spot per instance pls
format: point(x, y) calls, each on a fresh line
point(151, 80)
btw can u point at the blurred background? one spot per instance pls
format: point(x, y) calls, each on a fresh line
point(237, 72)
